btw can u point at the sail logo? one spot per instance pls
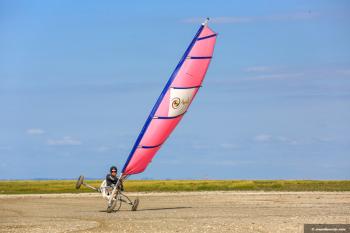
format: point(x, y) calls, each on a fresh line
point(179, 101)
point(175, 103)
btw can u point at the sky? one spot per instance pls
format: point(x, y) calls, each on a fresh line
point(79, 78)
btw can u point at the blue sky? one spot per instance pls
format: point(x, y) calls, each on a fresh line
point(78, 79)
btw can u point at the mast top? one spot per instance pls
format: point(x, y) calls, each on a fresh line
point(206, 21)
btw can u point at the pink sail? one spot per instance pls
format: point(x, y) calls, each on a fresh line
point(174, 100)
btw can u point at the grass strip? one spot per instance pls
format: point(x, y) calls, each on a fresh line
point(68, 186)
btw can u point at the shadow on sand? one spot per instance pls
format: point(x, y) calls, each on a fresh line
point(166, 208)
point(152, 209)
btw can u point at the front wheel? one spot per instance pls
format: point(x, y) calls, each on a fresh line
point(114, 205)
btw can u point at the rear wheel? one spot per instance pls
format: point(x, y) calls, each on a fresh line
point(79, 182)
point(135, 204)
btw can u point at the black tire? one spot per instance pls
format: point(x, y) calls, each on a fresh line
point(111, 207)
point(79, 182)
point(115, 206)
point(135, 204)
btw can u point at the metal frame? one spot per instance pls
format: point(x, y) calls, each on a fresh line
point(116, 196)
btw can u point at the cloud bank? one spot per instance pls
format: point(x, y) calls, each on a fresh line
point(294, 16)
point(35, 131)
point(65, 141)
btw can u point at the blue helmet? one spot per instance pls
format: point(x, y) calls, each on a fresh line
point(113, 168)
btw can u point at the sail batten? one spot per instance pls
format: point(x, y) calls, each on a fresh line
point(207, 37)
point(173, 102)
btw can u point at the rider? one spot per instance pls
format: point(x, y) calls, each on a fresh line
point(112, 178)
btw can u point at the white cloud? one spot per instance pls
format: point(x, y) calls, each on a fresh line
point(258, 69)
point(221, 20)
point(278, 76)
point(35, 131)
point(123, 146)
point(231, 20)
point(65, 141)
point(204, 146)
point(303, 15)
point(275, 139)
point(170, 162)
point(325, 139)
point(229, 146)
point(226, 162)
point(343, 71)
point(7, 148)
point(102, 148)
point(287, 140)
point(278, 73)
point(200, 146)
point(282, 139)
point(263, 138)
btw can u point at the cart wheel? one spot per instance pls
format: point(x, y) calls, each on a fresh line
point(135, 205)
point(115, 206)
point(111, 207)
point(79, 182)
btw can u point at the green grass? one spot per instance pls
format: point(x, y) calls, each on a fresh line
point(68, 186)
